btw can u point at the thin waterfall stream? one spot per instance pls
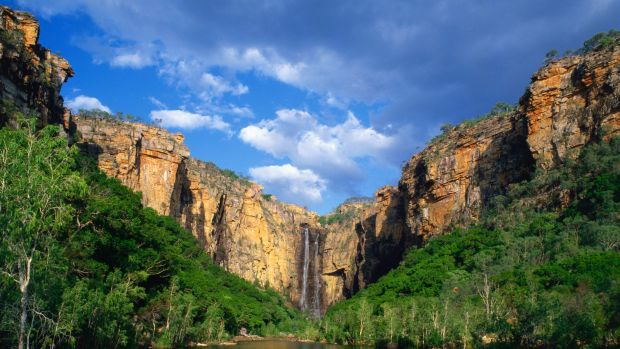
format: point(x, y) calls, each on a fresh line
point(304, 281)
point(310, 299)
point(317, 280)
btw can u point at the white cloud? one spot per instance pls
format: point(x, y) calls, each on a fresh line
point(194, 74)
point(291, 183)
point(134, 60)
point(218, 86)
point(329, 151)
point(159, 104)
point(186, 120)
point(87, 103)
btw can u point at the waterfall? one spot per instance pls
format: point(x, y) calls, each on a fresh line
point(317, 279)
point(304, 281)
point(311, 302)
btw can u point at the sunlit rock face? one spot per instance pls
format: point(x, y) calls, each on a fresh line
point(570, 103)
point(30, 75)
point(248, 233)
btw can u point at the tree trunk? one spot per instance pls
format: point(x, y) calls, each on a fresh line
point(24, 280)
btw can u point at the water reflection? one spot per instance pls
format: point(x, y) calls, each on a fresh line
point(281, 345)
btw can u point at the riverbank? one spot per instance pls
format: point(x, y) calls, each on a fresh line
point(254, 338)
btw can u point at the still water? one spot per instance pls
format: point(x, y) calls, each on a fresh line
point(281, 345)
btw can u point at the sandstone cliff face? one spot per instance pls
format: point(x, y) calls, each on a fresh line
point(570, 103)
point(255, 237)
point(30, 75)
point(366, 243)
point(453, 178)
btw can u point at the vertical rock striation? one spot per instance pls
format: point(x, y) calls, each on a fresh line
point(249, 234)
point(570, 103)
point(30, 75)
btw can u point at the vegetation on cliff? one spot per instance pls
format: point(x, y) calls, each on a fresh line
point(528, 274)
point(84, 264)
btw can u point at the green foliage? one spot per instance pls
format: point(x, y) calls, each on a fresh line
point(234, 175)
point(337, 218)
point(107, 273)
point(267, 197)
point(104, 115)
point(601, 41)
point(500, 109)
point(551, 56)
point(527, 275)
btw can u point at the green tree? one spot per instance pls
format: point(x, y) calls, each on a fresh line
point(36, 182)
point(551, 56)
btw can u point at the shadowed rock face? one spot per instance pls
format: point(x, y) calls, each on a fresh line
point(30, 75)
point(570, 103)
point(253, 236)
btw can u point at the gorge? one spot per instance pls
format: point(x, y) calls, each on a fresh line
point(318, 262)
point(568, 104)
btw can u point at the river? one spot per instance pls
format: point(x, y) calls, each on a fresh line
point(281, 345)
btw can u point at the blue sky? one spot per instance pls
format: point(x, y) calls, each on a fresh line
point(316, 100)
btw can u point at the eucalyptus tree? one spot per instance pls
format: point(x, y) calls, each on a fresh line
point(36, 182)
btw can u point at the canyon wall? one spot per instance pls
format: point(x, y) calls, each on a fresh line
point(570, 102)
point(316, 262)
point(30, 75)
point(248, 233)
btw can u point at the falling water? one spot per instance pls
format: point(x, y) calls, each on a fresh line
point(304, 280)
point(317, 279)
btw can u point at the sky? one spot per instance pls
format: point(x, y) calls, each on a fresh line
point(316, 100)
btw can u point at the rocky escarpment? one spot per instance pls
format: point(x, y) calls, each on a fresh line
point(570, 103)
point(250, 234)
point(363, 242)
point(30, 75)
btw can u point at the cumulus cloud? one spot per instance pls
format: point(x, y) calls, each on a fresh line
point(186, 120)
point(87, 103)
point(194, 74)
point(291, 183)
point(329, 151)
point(131, 60)
point(404, 55)
point(159, 104)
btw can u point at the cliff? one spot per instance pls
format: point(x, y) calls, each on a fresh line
point(569, 103)
point(318, 261)
point(248, 233)
point(30, 75)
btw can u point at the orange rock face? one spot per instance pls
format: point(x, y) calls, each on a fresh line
point(452, 179)
point(32, 75)
point(251, 235)
point(368, 242)
point(572, 102)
